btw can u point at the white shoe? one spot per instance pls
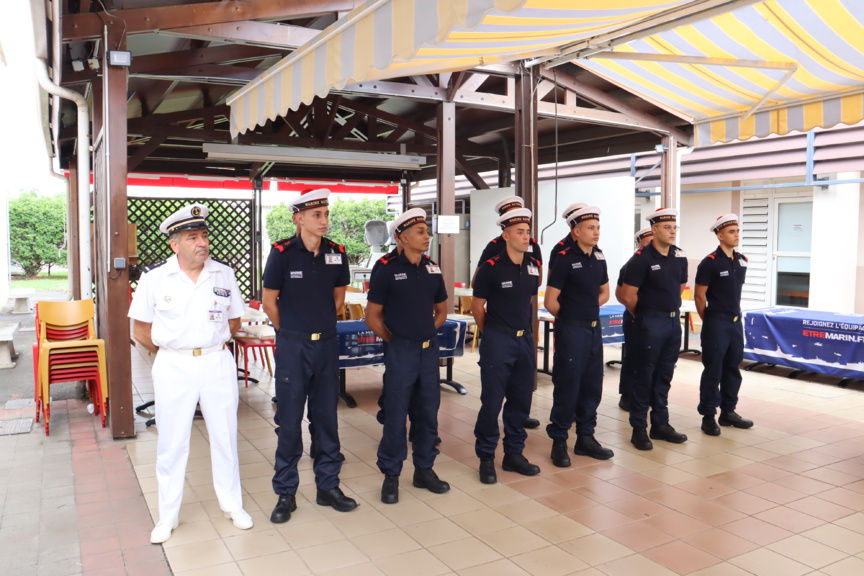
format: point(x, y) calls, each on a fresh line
point(162, 532)
point(241, 519)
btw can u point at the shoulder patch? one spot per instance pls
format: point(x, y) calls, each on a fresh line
point(597, 248)
point(495, 240)
point(638, 252)
point(711, 256)
point(282, 244)
point(492, 260)
point(743, 257)
point(535, 261)
point(153, 266)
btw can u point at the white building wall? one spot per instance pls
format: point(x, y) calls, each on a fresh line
point(698, 212)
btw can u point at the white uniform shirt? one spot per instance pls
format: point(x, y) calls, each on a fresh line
point(184, 314)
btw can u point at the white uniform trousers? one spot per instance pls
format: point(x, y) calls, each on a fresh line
point(181, 381)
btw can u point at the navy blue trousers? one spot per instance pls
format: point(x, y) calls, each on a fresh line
point(577, 377)
point(411, 382)
point(306, 370)
point(625, 382)
point(722, 353)
point(656, 343)
point(507, 367)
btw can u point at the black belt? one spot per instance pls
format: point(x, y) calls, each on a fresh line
point(418, 343)
point(314, 336)
point(658, 313)
point(578, 323)
point(500, 328)
point(722, 316)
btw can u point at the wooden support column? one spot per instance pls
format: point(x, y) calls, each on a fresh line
point(72, 232)
point(112, 284)
point(670, 185)
point(446, 173)
point(525, 147)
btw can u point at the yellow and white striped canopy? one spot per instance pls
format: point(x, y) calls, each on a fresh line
point(799, 62)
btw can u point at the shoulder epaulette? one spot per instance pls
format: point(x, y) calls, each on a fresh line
point(562, 242)
point(597, 248)
point(533, 241)
point(432, 262)
point(564, 251)
point(638, 252)
point(492, 260)
point(495, 240)
point(743, 257)
point(387, 258)
point(282, 244)
point(153, 266)
point(711, 256)
point(535, 261)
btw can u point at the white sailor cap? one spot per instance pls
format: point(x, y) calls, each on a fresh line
point(190, 217)
point(509, 203)
point(583, 214)
point(311, 199)
point(642, 234)
point(517, 216)
point(662, 215)
point(724, 222)
point(572, 208)
point(409, 218)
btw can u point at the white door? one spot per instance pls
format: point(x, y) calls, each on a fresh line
point(792, 238)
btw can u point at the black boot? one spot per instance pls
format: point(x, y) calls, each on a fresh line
point(731, 418)
point(390, 490)
point(487, 471)
point(560, 457)
point(532, 423)
point(426, 478)
point(640, 440)
point(709, 425)
point(668, 433)
point(335, 499)
point(587, 445)
point(284, 507)
point(519, 464)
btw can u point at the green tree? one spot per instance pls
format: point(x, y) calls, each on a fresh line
point(347, 219)
point(38, 232)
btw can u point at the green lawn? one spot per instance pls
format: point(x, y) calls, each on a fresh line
point(57, 281)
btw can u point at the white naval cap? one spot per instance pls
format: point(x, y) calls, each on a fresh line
point(583, 214)
point(509, 203)
point(642, 234)
point(190, 217)
point(724, 222)
point(409, 218)
point(517, 216)
point(311, 199)
point(662, 215)
point(572, 208)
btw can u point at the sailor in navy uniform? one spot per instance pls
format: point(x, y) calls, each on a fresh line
point(653, 282)
point(185, 310)
point(407, 303)
point(578, 285)
point(625, 382)
point(719, 279)
point(497, 245)
point(568, 239)
point(304, 282)
point(506, 285)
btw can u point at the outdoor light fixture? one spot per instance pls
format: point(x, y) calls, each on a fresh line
point(119, 58)
point(312, 156)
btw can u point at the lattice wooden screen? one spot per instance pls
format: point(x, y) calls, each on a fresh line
point(231, 229)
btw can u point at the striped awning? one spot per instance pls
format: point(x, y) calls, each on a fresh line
point(747, 68)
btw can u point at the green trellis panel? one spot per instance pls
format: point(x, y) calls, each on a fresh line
point(230, 228)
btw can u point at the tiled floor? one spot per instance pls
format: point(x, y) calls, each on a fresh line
point(784, 498)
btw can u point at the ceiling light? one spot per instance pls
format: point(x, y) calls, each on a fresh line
point(313, 156)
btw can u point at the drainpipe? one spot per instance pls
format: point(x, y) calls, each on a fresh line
point(84, 273)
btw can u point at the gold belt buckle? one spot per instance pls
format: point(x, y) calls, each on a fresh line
point(519, 333)
point(315, 336)
point(426, 343)
point(735, 319)
point(672, 314)
point(196, 352)
point(593, 323)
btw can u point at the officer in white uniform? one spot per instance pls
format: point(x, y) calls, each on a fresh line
point(185, 310)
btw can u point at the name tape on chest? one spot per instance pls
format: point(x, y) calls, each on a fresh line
point(533, 271)
point(400, 276)
point(655, 267)
point(724, 273)
point(431, 269)
point(333, 259)
point(223, 292)
point(577, 265)
point(507, 284)
point(296, 274)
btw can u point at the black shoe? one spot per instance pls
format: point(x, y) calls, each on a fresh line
point(531, 423)
point(559, 455)
point(668, 433)
point(587, 445)
point(437, 440)
point(487, 472)
point(336, 500)
point(519, 464)
point(640, 440)
point(709, 425)
point(284, 507)
point(390, 490)
point(731, 418)
point(426, 478)
point(624, 402)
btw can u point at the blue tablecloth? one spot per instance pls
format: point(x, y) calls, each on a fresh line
point(611, 323)
point(359, 346)
point(810, 340)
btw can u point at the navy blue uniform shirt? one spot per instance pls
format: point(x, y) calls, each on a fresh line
point(659, 278)
point(559, 247)
point(378, 263)
point(498, 245)
point(621, 274)
point(724, 278)
point(579, 277)
point(507, 288)
point(305, 283)
point(408, 294)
